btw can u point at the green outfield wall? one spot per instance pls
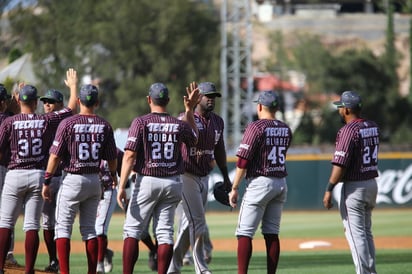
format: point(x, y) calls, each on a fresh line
point(309, 174)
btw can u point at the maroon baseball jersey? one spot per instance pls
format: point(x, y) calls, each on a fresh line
point(4, 161)
point(357, 145)
point(3, 116)
point(82, 141)
point(264, 145)
point(197, 159)
point(29, 137)
point(157, 139)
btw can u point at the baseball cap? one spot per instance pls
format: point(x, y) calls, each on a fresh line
point(88, 95)
point(3, 93)
point(28, 93)
point(158, 91)
point(349, 99)
point(208, 88)
point(54, 95)
point(268, 98)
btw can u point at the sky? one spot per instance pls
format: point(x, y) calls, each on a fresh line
point(14, 3)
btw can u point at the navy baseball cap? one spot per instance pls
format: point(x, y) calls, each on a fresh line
point(88, 95)
point(28, 93)
point(349, 99)
point(3, 93)
point(158, 91)
point(268, 98)
point(54, 95)
point(208, 88)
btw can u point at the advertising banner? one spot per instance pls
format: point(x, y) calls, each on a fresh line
point(309, 174)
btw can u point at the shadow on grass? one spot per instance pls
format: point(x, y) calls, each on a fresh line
point(316, 262)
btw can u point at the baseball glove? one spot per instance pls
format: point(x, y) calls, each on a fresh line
point(221, 192)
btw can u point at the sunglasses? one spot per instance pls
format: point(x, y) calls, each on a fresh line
point(47, 101)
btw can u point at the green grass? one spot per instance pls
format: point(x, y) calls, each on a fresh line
point(313, 262)
point(315, 224)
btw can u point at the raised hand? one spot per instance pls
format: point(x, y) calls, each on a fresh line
point(71, 78)
point(193, 96)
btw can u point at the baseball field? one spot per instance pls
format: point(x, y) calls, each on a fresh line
point(311, 242)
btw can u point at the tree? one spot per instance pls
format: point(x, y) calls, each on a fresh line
point(351, 69)
point(126, 44)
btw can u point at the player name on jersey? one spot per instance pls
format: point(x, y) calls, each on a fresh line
point(159, 132)
point(31, 128)
point(370, 136)
point(274, 136)
point(89, 132)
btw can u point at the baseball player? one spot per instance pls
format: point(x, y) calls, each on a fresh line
point(355, 163)
point(4, 97)
point(28, 135)
point(4, 113)
point(261, 158)
point(81, 141)
point(199, 161)
point(104, 214)
point(52, 101)
point(153, 151)
point(145, 237)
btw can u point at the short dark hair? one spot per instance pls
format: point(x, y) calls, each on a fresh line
point(160, 102)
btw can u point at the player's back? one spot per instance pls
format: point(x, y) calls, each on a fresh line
point(29, 137)
point(361, 157)
point(159, 137)
point(265, 144)
point(86, 139)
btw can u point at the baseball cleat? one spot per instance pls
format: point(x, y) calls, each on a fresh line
point(187, 261)
point(100, 268)
point(108, 261)
point(11, 261)
point(53, 267)
point(152, 260)
point(208, 257)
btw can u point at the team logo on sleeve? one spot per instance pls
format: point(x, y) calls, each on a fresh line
point(243, 147)
point(339, 154)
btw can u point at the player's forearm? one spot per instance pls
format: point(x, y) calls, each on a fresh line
point(239, 175)
point(335, 177)
point(52, 164)
point(112, 167)
point(336, 174)
point(190, 119)
point(127, 165)
point(221, 161)
point(223, 169)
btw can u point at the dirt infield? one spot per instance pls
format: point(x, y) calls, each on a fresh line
point(20, 270)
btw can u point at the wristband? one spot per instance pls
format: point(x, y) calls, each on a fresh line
point(47, 178)
point(47, 181)
point(330, 187)
point(48, 175)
